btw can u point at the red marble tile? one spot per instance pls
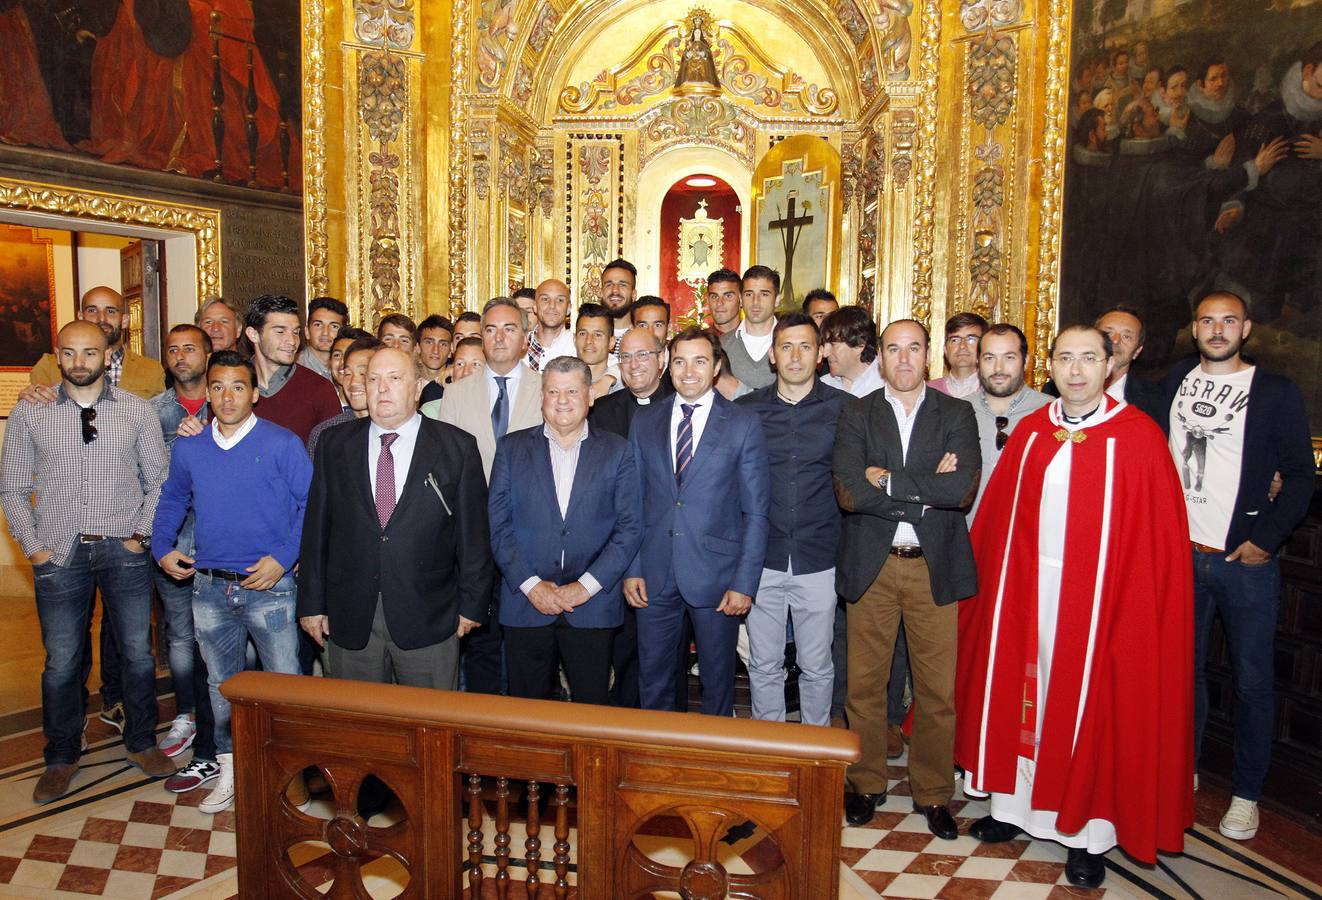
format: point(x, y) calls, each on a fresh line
point(168, 884)
point(223, 821)
point(764, 856)
point(8, 865)
point(878, 881)
point(1070, 892)
point(851, 855)
point(905, 840)
point(193, 840)
point(105, 831)
point(47, 848)
point(137, 859)
point(935, 864)
point(217, 864)
point(1006, 850)
point(83, 880)
point(151, 813)
point(195, 796)
point(884, 821)
point(968, 889)
point(1036, 871)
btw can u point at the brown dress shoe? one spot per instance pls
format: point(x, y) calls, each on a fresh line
point(54, 782)
point(894, 742)
point(152, 762)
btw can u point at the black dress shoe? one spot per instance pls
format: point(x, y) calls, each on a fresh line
point(859, 808)
point(939, 820)
point(990, 831)
point(1084, 869)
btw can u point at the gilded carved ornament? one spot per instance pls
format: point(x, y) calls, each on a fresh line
point(456, 189)
point(382, 103)
point(921, 137)
point(315, 237)
point(384, 23)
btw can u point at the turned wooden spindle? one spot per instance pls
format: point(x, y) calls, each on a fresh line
point(561, 846)
point(217, 98)
point(250, 117)
point(474, 836)
point(502, 836)
point(533, 845)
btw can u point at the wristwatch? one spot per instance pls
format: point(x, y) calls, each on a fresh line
point(143, 539)
point(883, 481)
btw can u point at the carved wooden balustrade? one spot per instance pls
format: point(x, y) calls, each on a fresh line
point(617, 769)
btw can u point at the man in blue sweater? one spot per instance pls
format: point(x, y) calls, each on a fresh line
point(241, 583)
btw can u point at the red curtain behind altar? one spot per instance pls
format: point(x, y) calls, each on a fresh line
point(680, 202)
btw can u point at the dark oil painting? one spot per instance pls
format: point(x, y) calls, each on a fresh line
point(27, 297)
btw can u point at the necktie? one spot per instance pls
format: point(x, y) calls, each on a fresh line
point(684, 443)
point(385, 480)
point(500, 413)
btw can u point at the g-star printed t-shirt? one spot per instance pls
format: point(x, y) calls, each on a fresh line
point(1207, 441)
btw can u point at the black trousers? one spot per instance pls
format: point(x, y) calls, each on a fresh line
point(532, 654)
point(480, 652)
point(624, 660)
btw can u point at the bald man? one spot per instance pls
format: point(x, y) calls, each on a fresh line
point(95, 460)
point(551, 337)
point(105, 308)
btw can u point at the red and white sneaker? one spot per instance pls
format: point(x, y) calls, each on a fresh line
point(198, 773)
point(180, 736)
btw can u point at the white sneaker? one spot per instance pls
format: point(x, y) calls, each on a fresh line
point(297, 793)
point(221, 797)
point(180, 736)
point(1195, 782)
point(1240, 821)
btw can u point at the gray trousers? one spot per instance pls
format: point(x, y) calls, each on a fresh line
point(810, 600)
point(383, 661)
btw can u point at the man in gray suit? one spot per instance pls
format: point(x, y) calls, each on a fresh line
point(906, 465)
point(748, 345)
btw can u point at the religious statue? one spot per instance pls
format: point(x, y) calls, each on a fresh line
point(701, 245)
point(697, 66)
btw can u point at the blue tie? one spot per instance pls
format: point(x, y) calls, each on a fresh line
point(500, 413)
point(684, 443)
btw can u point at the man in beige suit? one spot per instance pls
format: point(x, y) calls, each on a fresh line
point(105, 308)
point(506, 397)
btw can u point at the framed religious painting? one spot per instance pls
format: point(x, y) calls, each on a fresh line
point(27, 307)
point(1194, 164)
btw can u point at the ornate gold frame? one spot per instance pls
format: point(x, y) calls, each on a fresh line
point(201, 222)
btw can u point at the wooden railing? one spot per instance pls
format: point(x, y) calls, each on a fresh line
point(442, 753)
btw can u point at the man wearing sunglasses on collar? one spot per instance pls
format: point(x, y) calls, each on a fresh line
point(1003, 399)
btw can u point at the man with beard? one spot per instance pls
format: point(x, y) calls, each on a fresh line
point(1245, 424)
point(619, 282)
point(104, 307)
point(724, 291)
point(551, 337)
point(326, 316)
point(96, 462)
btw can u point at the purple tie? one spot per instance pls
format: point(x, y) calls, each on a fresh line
point(684, 442)
point(385, 480)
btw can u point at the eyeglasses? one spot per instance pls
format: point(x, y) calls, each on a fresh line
point(642, 356)
point(88, 414)
point(1084, 359)
point(1002, 423)
point(956, 339)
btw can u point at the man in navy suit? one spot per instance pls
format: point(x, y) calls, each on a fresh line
point(706, 484)
point(565, 525)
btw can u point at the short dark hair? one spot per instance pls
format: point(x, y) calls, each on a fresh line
point(763, 272)
point(366, 342)
point(621, 264)
point(794, 320)
point(399, 320)
point(927, 336)
point(1207, 65)
point(329, 303)
point(1171, 73)
point(1129, 311)
point(693, 333)
point(468, 342)
point(853, 327)
point(436, 321)
point(1006, 328)
point(496, 302)
point(469, 316)
point(594, 311)
point(1087, 124)
point(1119, 52)
point(649, 300)
point(1312, 56)
point(818, 294)
point(352, 333)
point(723, 275)
point(233, 359)
point(1107, 347)
point(188, 326)
point(263, 306)
point(525, 293)
point(965, 320)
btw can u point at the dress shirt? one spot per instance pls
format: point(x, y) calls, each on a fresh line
point(757, 346)
point(512, 379)
point(957, 387)
point(699, 422)
point(401, 451)
point(115, 366)
point(309, 360)
point(108, 487)
point(540, 354)
point(905, 535)
point(863, 385)
point(229, 443)
point(564, 465)
point(1117, 388)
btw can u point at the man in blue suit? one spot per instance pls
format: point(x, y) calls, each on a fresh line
point(565, 525)
point(706, 484)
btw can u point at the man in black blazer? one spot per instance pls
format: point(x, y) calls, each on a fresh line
point(907, 462)
point(1128, 334)
point(396, 560)
point(643, 371)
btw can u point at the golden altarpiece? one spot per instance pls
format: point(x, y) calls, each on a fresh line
point(456, 150)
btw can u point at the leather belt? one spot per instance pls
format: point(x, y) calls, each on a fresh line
point(1203, 548)
point(224, 574)
point(908, 551)
point(93, 538)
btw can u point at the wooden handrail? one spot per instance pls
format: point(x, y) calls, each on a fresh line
point(437, 750)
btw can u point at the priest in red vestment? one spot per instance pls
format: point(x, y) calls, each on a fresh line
point(1074, 695)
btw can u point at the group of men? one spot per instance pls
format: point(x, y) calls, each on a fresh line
point(596, 501)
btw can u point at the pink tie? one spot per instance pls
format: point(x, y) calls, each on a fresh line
point(385, 480)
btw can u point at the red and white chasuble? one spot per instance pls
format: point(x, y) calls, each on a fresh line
point(1074, 696)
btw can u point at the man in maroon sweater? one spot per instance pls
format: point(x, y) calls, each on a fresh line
point(291, 396)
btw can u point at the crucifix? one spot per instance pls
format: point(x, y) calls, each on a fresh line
point(790, 227)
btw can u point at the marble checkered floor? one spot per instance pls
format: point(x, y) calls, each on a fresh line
point(119, 835)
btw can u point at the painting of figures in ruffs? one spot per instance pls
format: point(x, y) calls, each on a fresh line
point(1196, 164)
point(208, 88)
point(27, 297)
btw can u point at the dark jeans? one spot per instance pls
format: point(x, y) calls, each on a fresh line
point(584, 652)
point(64, 606)
point(1248, 598)
point(177, 601)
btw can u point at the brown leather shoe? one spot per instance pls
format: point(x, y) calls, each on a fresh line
point(152, 762)
point(54, 782)
point(894, 742)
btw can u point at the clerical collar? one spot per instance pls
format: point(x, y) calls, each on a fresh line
point(1078, 420)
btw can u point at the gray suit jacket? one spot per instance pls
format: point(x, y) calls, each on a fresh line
point(467, 405)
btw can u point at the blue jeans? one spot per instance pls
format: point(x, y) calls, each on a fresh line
point(1248, 598)
point(225, 616)
point(64, 606)
point(177, 600)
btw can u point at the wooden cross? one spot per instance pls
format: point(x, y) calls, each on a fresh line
point(790, 227)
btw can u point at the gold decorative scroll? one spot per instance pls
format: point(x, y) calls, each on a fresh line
point(315, 238)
